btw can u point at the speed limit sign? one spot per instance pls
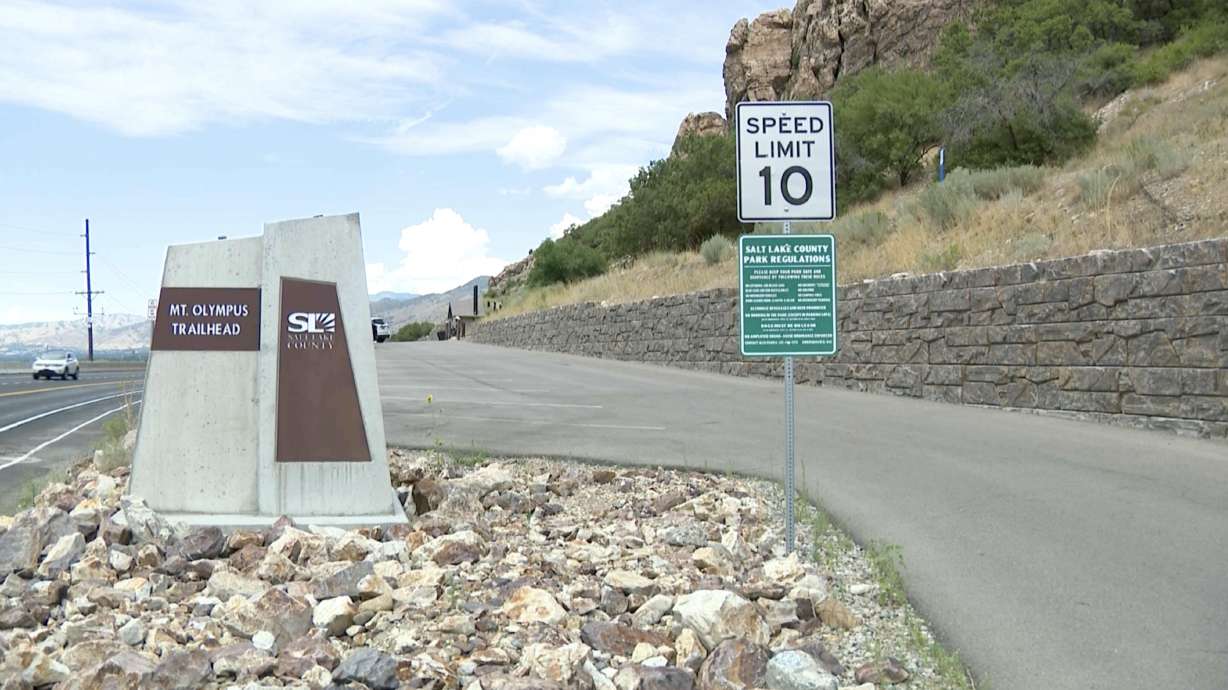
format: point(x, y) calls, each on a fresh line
point(786, 161)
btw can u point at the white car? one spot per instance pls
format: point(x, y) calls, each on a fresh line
point(380, 330)
point(57, 363)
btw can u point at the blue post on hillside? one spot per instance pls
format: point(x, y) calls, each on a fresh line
point(942, 163)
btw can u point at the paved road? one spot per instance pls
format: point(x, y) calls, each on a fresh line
point(1054, 554)
point(46, 426)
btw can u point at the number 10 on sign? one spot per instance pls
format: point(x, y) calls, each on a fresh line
point(786, 161)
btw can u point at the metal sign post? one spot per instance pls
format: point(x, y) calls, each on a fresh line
point(790, 483)
point(787, 283)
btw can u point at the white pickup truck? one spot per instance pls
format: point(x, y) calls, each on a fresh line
point(380, 330)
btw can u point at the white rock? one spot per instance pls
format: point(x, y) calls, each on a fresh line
point(785, 570)
point(422, 577)
point(317, 677)
point(66, 549)
point(225, 583)
point(417, 597)
point(652, 610)
point(43, 670)
point(642, 651)
point(713, 559)
point(716, 615)
point(532, 605)
point(119, 561)
point(132, 633)
point(861, 589)
point(657, 661)
point(334, 615)
point(600, 681)
point(797, 670)
point(628, 581)
point(555, 664)
point(810, 587)
point(265, 641)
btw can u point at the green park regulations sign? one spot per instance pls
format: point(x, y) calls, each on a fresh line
point(787, 289)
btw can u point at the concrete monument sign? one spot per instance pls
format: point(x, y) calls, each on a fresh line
point(261, 397)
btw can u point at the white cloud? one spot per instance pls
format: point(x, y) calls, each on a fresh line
point(534, 147)
point(568, 220)
point(440, 253)
point(604, 186)
point(619, 124)
point(600, 204)
point(608, 178)
point(589, 38)
point(153, 73)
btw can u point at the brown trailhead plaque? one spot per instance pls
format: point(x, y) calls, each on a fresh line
point(207, 319)
point(318, 415)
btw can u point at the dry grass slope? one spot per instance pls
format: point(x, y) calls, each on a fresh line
point(1155, 177)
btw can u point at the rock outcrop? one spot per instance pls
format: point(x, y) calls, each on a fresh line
point(800, 54)
point(701, 124)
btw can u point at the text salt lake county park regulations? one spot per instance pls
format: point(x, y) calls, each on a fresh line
point(788, 291)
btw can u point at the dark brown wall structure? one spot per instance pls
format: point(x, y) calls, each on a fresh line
point(1136, 337)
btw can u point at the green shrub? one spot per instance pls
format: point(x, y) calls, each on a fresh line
point(865, 229)
point(1122, 178)
point(1096, 186)
point(564, 261)
point(1202, 40)
point(943, 259)
point(1108, 71)
point(998, 182)
point(1030, 246)
point(1145, 154)
point(716, 249)
point(946, 203)
point(415, 330)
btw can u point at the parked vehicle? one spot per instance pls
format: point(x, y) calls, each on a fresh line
point(56, 363)
point(380, 330)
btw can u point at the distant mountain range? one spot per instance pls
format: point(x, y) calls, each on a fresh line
point(386, 295)
point(432, 307)
point(115, 336)
point(125, 336)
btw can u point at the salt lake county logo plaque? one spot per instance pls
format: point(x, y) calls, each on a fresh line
point(207, 319)
point(319, 418)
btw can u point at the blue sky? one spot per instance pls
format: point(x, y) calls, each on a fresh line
point(464, 133)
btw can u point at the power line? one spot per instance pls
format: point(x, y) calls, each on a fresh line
point(37, 251)
point(37, 232)
point(60, 292)
point(123, 276)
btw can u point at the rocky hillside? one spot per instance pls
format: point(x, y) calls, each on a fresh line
point(516, 576)
point(800, 54)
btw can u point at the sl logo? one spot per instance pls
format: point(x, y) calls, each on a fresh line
point(312, 322)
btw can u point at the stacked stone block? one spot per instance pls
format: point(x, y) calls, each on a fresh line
point(1136, 336)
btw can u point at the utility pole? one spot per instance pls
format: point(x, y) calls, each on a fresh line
point(89, 293)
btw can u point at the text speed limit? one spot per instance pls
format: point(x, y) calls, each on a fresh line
point(786, 161)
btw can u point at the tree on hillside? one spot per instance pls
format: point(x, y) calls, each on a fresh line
point(678, 202)
point(563, 261)
point(889, 119)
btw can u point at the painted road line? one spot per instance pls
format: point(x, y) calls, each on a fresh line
point(491, 402)
point(60, 388)
point(539, 422)
point(446, 388)
point(37, 417)
point(61, 437)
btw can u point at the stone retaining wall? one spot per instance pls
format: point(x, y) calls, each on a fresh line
point(1137, 337)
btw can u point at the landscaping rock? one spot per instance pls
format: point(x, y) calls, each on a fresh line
point(797, 670)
